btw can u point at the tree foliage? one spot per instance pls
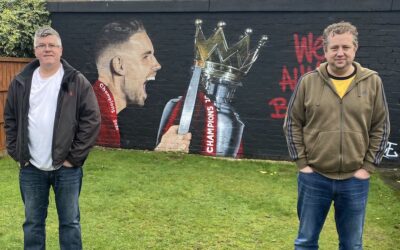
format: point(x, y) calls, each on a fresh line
point(19, 19)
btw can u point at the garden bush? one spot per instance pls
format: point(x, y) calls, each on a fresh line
point(19, 20)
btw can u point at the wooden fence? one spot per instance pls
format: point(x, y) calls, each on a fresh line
point(9, 67)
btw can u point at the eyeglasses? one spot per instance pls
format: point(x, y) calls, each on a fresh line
point(44, 46)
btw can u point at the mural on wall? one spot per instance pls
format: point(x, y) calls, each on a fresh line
point(126, 62)
point(142, 95)
point(218, 72)
point(122, 74)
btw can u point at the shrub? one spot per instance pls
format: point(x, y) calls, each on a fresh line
point(19, 20)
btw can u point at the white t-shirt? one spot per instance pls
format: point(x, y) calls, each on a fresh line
point(42, 110)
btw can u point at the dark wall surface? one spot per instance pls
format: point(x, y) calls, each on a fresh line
point(293, 48)
point(220, 5)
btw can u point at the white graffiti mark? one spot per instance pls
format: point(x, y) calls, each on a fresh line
point(390, 152)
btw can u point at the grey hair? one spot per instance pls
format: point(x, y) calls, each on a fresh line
point(338, 29)
point(44, 32)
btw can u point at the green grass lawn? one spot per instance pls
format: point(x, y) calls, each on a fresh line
point(149, 200)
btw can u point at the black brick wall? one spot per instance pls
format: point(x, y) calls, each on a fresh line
point(172, 35)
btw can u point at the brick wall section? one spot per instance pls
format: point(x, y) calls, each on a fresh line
point(261, 101)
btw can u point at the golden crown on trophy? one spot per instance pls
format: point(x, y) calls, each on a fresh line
point(218, 59)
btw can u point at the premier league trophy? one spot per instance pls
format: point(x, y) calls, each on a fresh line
point(206, 110)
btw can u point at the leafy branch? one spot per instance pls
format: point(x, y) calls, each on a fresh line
point(19, 19)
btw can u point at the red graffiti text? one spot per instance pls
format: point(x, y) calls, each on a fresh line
point(309, 55)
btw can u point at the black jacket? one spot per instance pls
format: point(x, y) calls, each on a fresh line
point(77, 119)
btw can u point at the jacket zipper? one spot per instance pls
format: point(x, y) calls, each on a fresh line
point(341, 138)
point(56, 119)
point(341, 129)
point(24, 126)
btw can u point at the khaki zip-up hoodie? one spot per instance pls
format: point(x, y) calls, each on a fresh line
point(337, 136)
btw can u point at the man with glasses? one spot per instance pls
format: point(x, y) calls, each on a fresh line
point(51, 120)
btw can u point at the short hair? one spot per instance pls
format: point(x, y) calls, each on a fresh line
point(46, 31)
point(116, 33)
point(338, 29)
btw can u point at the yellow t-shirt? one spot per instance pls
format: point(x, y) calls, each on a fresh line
point(342, 85)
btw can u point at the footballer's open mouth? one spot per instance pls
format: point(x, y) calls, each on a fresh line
point(150, 78)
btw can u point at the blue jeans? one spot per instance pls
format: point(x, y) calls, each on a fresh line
point(35, 185)
point(315, 195)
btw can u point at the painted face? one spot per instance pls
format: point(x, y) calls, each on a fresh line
point(48, 50)
point(140, 66)
point(340, 53)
